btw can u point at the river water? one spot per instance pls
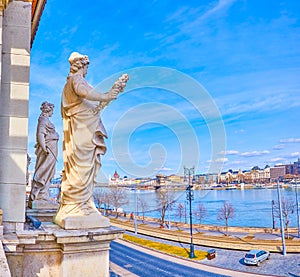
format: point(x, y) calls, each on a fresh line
point(253, 207)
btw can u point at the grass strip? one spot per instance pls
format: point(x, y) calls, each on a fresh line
point(166, 248)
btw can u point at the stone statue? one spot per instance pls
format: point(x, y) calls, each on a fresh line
point(83, 144)
point(46, 156)
point(27, 169)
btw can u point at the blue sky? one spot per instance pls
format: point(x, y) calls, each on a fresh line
point(213, 85)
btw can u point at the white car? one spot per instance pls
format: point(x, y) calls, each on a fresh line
point(255, 257)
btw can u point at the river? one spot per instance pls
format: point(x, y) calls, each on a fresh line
point(253, 207)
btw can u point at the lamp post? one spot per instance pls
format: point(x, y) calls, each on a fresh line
point(297, 207)
point(169, 222)
point(189, 172)
point(273, 203)
point(136, 204)
point(281, 220)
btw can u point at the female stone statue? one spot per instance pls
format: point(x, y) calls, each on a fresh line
point(46, 155)
point(83, 144)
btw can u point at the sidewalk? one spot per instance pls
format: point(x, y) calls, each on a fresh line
point(214, 237)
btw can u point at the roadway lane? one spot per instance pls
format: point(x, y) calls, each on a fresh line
point(146, 265)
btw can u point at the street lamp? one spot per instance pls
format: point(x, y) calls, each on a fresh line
point(273, 203)
point(281, 219)
point(297, 207)
point(168, 201)
point(189, 172)
point(136, 208)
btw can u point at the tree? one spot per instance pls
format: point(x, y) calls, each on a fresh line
point(288, 207)
point(180, 211)
point(98, 197)
point(143, 205)
point(200, 212)
point(118, 197)
point(225, 213)
point(164, 200)
point(102, 197)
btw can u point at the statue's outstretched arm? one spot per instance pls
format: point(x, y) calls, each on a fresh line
point(84, 90)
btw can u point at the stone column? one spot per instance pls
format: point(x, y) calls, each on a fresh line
point(14, 95)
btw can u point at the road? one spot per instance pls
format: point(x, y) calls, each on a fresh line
point(145, 265)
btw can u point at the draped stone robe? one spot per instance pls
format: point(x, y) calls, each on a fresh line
point(45, 163)
point(83, 144)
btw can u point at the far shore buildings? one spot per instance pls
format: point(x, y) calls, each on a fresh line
point(284, 172)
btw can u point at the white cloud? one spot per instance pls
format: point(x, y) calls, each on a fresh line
point(240, 131)
point(237, 162)
point(223, 4)
point(274, 160)
point(221, 160)
point(279, 147)
point(229, 152)
point(294, 154)
point(290, 140)
point(255, 153)
point(163, 169)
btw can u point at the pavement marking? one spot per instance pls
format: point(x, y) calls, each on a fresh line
point(193, 264)
point(121, 271)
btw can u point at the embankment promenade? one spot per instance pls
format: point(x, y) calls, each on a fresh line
point(237, 238)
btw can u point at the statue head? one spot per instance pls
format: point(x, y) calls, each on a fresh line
point(47, 108)
point(77, 62)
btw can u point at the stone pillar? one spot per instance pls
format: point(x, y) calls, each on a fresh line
point(14, 95)
point(53, 251)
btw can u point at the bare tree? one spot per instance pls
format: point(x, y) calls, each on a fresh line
point(180, 211)
point(200, 212)
point(288, 207)
point(225, 213)
point(101, 197)
point(118, 197)
point(143, 205)
point(164, 200)
point(98, 197)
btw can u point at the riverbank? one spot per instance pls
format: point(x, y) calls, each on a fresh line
point(238, 238)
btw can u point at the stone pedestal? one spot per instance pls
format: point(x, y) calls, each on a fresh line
point(42, 205)
point(73, 222)
point(44, 215)
point(52, 251)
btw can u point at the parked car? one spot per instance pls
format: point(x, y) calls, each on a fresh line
point(255, 257)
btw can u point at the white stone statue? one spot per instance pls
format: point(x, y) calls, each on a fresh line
point(46, 157)
point(83, 144)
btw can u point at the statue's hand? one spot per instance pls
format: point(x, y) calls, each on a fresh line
point(111, 95)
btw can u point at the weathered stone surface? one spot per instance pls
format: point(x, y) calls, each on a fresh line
point(43, 205)
point(15, 63)
point(4, 269)
point(6, 192)
point(53, 251)
point(83, 145)
point(46, 150)
point(72, 222)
